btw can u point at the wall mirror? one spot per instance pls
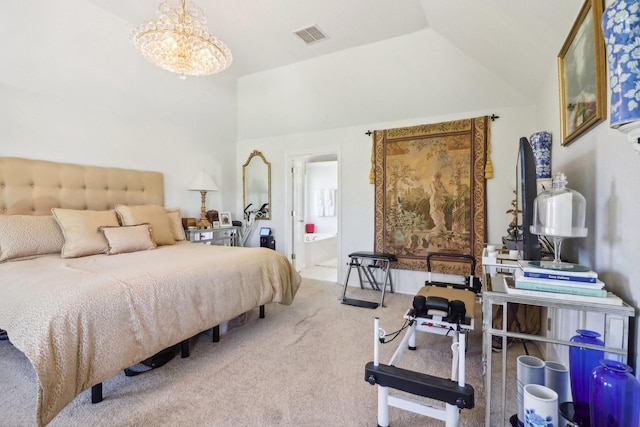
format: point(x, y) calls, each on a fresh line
point(256, 182)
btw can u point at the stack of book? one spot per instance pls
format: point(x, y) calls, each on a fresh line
point(550, 283)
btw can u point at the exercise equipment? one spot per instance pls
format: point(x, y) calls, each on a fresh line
point(444, 308)
point(366, 263)
point(453, 392)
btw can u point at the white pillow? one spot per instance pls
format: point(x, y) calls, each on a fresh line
point(149, 214)
point(175, 222)
point(80, 228)
point(128, 238)
point(25, 236)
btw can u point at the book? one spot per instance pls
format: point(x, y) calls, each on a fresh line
point(520, 277)
point(570, 275)
point(570, 290)
point(610, 299)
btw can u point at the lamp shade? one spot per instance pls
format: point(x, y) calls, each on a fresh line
point(203, 182)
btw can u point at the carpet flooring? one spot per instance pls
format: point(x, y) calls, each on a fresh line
point(303, 365)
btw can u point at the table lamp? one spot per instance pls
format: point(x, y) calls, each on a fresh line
point(203, 183)
point(559, 213)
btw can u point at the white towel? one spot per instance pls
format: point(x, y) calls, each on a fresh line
point(318, 203)
point(329, 201)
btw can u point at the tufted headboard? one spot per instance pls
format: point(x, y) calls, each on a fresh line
point(35, 186)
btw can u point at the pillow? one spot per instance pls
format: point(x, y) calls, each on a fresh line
point(128, 238)
point(175, 223)
point(23, 236)
point(80, 230)
point(149, 214)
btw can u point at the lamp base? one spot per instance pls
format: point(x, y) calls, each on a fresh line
point(203, 223)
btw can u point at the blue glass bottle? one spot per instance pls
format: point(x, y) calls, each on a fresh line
point(614, 394)
point(581, 362)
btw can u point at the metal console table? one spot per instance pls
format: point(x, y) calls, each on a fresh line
point(616, 325)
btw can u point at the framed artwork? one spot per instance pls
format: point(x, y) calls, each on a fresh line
point(582, 74)
point(430, 193)
point(215, 225)
point(225, 219)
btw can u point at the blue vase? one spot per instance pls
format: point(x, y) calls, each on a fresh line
point(581, 362)
point(621, 30)
point(541, 144)
point(614, 395)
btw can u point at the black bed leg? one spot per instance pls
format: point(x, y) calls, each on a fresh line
point(184, 349)
point(262, 311)
point(96, 393)
point(215, 332)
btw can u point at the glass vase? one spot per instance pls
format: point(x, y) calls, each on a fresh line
point(581, 362)
point(614, 394)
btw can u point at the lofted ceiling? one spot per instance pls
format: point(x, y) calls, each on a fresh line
point(49, 46)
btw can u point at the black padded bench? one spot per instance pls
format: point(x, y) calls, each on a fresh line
point(366, 263)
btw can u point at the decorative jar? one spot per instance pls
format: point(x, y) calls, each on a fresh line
point(621, 30)
point(614, 395)
point(581, 362)
point(541, 144)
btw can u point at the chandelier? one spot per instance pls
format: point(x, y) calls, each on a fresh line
point(180, 42)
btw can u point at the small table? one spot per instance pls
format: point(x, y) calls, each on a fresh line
point(376, 260)
point(225, 236)
point(616, 325)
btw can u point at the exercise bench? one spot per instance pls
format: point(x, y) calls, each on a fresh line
point(366, 263)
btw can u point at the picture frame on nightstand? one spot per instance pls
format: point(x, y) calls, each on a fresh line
point(215, 225)
point(225, 219)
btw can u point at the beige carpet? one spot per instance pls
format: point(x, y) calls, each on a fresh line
point(303, 365)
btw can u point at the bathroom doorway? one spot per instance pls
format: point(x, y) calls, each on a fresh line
point(314, 215)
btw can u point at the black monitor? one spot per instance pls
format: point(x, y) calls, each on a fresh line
point(528, 190)
point(265, 231)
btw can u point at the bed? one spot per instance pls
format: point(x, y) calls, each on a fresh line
point(82, 316)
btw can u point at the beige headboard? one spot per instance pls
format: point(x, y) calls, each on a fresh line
point(35, 186)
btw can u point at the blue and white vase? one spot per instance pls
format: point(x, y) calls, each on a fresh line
point(541, 144)
point(621, 30)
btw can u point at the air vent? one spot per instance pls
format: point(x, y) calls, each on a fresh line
point(310, 34)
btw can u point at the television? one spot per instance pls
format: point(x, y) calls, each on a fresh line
point(527, 192)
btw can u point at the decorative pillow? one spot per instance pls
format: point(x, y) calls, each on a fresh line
point(80, 230)
point(148, 214)
point(175, 222)
point(23, 236)
point(128, 238)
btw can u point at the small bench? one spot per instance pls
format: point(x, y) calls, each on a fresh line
point(376, 260)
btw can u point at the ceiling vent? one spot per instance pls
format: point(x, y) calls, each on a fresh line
point(310, 35)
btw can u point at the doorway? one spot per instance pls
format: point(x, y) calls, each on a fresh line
point(314, 226)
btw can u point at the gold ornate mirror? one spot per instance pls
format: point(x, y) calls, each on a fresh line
point(256, 183)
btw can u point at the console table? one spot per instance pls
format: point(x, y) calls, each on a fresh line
point(615, 336)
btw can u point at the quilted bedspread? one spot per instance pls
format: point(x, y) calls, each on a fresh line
point(81, 321)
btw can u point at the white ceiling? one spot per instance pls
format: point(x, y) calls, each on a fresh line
point(86, 41)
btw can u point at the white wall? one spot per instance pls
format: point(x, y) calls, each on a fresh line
point(94, 100)
point(53, 128)
point(603, 167)
point(329, 103)
point(305, 107)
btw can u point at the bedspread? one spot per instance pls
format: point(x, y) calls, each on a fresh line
point(81, 321)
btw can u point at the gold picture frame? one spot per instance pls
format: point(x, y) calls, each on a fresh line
point(582, 74)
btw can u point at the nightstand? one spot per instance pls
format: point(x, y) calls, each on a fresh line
point(226, 236)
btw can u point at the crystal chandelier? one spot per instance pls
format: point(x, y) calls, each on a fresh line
point(180, 42)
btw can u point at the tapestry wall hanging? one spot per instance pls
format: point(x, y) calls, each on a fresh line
point(430, 193)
